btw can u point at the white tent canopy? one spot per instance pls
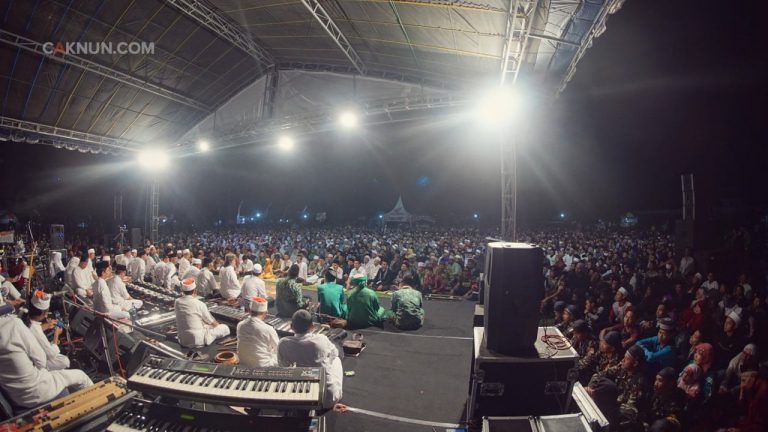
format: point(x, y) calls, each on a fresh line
point(400, 215)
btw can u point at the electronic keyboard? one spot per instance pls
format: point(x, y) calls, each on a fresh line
point(298, 388)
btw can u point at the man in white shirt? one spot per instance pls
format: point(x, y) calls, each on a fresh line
point(119, 293)
point(196, 326)
point(23, 373)
point(373, 269)
point(36, 316)
point(125, 257)
point(711, 283)
point(687, 263)
point(138, 266)
point(229, 284)
point(302, 263)
point(185, 262)
point(357, 271)
point(256, 340)
point(206, 282)
point(305, 349)
point(82, 278)
point(102, 297)
point(193, 270)
point(91, 258)
point(253, 287)
point(160, 271)
point(172, 274)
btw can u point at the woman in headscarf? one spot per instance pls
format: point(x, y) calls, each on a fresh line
point(703, 356)
point(690, 381)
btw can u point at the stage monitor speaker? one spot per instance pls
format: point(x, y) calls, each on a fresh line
point(513, 293)
point(136, 242)
point(57, 237)
point(685, 234)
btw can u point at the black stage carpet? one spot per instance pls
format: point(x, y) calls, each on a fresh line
point(420, 375)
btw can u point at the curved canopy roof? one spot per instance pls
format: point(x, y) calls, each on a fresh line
point(205, 53)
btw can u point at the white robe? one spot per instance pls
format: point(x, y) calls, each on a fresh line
point(193, 321)
point(102, 301)
point(184, 265)
point(137, 268)
point(82, 279)
point(256, 343)
point(120, 296)
point(55, 360)
point(253, 286)
point(73, 263)
point(229, 285)
point(206, 282)
point(23, 373)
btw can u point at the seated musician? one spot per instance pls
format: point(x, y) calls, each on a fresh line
point(194, 322)
point(10, 293)
point(364, 309)
point(407, 311)
point(229, 285)
point(257, 340)
point(102, 297)
point(24, 376)
point(253, 286)
point(36, 319)
point(331, 297)
point(206, 282)
point(289, 295)
point(307, 349)
point(82, 278)
point(120, 296)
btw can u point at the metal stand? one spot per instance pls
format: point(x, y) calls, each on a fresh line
point(105, 342)
point(508, 187)
point(154, 211)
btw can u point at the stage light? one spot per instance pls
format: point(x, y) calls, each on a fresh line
point(258, 215)
point(348, 120)
point(203, 146)
point(562, 215)
point(152, 159)
point(305, 216)
point(381, 216)
point(475, 215)
point(285, 143)
point(497, 106)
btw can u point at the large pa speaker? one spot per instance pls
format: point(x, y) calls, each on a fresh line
point(513, 292)
point(136, 242)
point(57, 237)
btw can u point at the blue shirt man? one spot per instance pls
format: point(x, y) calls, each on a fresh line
point(659, 351)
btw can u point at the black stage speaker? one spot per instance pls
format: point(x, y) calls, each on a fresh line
point(123, 347)
point(136, 242)
point(513, 292)
point(57, 237)
point(685, 234)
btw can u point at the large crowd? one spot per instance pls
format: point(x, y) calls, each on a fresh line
point(665, 343)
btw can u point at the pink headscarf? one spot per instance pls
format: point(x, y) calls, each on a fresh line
point(707, 354)
point(691, 390)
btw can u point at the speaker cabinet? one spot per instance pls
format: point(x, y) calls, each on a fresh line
point(57, 237)
point(136, 242)
point(513, 291)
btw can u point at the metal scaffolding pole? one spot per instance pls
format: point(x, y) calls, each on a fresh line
point(335, 33)
point(508, 145)
point(154, 211)
point(270, 93)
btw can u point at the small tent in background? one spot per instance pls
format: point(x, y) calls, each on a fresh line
point(398, 214)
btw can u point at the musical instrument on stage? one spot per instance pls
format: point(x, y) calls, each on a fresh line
point(156, 319)
point(157, 288)
point(282, 326)
point(158, 297)
point(443, 297)
point(298, 388)
point(145, 416)
point(69, 409)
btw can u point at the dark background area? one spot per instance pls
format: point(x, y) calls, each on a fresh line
point(669, 88)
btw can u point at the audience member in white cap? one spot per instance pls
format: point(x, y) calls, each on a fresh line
point(120, 296)
point(91, 257)
point(36, 319)
point(125, 257)
point(196, 326)
point(253, 287)
point(256, 340)
point(102, 296)
point(620, 306)
point(185, 262)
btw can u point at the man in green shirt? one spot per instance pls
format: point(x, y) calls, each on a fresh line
point(289, 295)
point(364, 308)
point(407, 311)
point(331, 297)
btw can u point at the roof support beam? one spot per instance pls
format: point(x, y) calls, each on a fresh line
point(89, 66)
point(332, 29)
point(223, 27)
point(67, 136)
point(375, 74)
point(270, 93)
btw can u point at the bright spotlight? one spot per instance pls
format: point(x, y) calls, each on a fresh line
point(152, 159)
point(258, 215)
point(348, 120)
point(285, 143)
point(475, 215)
point(305, 216)
point(381, 216)
point(203, 146)
point(562, 215)
point(497, 107)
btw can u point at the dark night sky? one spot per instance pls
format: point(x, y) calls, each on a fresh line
point(671, 87)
